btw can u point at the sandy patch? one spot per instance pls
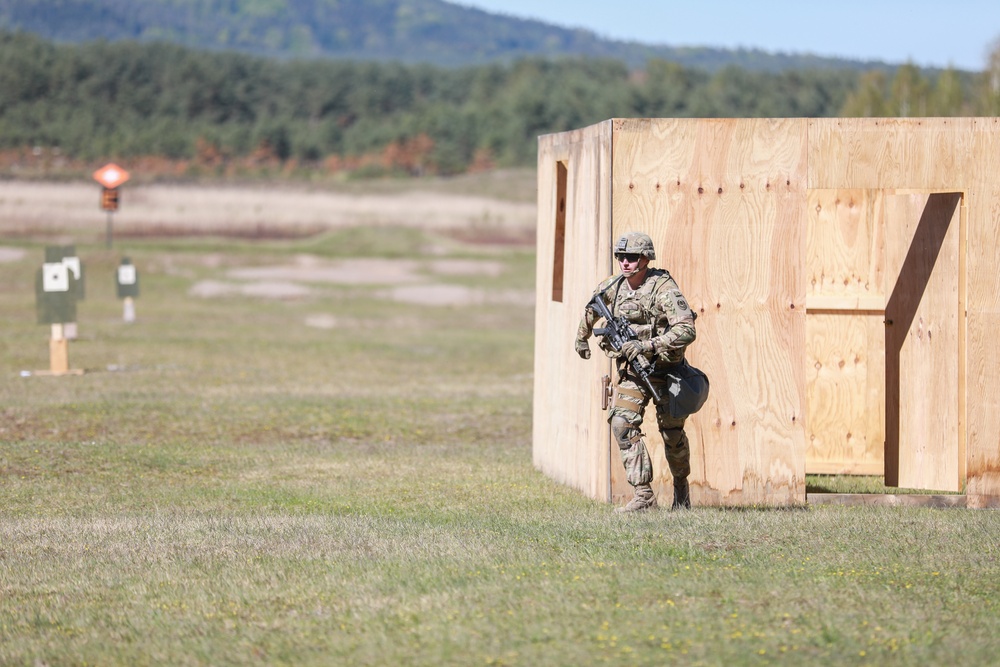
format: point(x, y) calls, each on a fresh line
point(275, 290)
point(466, 267)
point(12, 254)
point(324, 321)
point(344, 272)
point(331, 321)
point(455, 295)
point(407, 284)
point(208, 289)
point(366, 271)
point(47, 208)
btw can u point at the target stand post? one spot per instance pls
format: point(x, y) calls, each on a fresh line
point(55, 292)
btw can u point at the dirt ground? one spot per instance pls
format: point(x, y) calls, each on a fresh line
point(68, 211)
point(408, 281)
point(11, 254)
point(46, 208)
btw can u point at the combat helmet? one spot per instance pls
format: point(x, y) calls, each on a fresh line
point(635, 243)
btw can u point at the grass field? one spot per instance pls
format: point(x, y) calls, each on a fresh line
point(289, 460)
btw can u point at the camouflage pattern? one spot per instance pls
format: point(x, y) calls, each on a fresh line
point(657, 310)
point(635, 243)
point(659, 313)
point(626, 419)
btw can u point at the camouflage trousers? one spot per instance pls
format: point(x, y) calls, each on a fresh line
point(630, 400)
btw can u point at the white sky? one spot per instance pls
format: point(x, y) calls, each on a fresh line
point(928, 33)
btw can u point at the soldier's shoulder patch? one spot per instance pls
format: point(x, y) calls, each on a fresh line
point(677, 300)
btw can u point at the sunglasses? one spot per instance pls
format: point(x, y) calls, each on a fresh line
point(631, 257)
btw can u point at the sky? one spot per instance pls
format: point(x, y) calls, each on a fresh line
point(927, 33)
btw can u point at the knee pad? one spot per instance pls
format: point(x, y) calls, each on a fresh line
point(625, 432)
point(673, 437)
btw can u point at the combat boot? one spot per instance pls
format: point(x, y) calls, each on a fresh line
point(644, 499)
point(682, 496)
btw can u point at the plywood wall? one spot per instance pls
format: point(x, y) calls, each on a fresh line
point(845, 348)
point(724, 201)
point(760, 219)
point(939, 155)
point(883, 335)
point(981, 138)
point(571, 437)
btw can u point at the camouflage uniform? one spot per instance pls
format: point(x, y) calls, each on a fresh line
point(660, 316)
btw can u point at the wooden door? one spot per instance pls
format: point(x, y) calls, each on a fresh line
point(924, 341)
point(845, 334)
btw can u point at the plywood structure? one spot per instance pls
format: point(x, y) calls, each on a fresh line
point(575, 188)
point(844, 276)
point(845, 350)
point(922, 341)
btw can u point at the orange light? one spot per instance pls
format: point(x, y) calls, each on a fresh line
point(111, 175)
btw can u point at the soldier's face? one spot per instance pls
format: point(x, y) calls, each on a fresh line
point(631, 263)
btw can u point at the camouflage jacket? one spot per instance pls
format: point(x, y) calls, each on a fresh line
point(656, 310)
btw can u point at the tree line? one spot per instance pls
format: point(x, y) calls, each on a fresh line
point(125, 100)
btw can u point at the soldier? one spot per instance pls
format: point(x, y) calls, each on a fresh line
point(658, 313)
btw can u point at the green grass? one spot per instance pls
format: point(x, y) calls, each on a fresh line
point(241, 488)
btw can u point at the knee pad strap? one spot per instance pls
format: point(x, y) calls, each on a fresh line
point(626, 433)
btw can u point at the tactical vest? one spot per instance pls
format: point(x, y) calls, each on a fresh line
point(657, 301)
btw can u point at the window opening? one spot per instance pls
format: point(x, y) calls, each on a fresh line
point(559, 246)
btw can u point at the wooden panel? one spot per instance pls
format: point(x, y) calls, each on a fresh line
point(571, 439)
point(888, 153)
point(717, 196)
point(845, 354)
point(945, 154)
point(983, 322)
point(845, 248)
point(846, 393)
point(922, 342)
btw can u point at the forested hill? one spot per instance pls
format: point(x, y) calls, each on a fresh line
point(225, 112)
point(408, 31)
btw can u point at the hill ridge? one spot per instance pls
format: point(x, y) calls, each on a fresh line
point(410, 31)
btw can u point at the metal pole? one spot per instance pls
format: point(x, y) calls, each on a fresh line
point(109, 229)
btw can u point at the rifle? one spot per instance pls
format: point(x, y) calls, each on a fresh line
point(617, 332)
